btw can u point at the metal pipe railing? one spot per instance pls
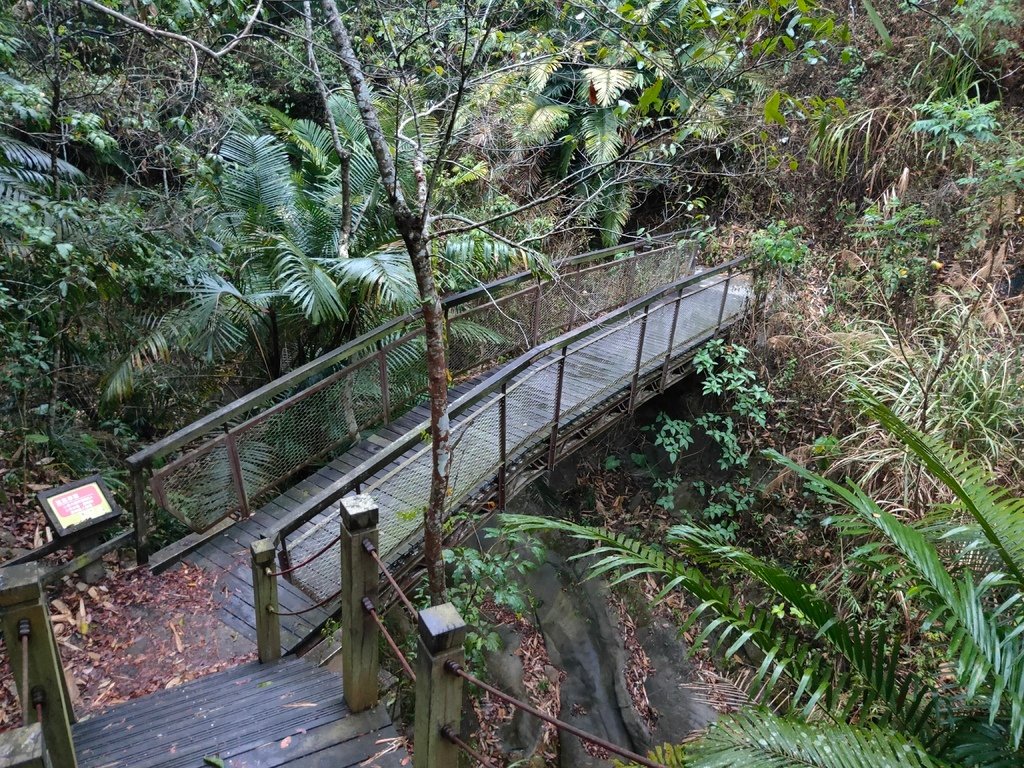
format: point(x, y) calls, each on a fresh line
point(357, 353)
point(602, 326)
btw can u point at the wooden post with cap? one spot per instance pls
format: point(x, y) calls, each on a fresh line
point(360, 652)
point(265, 601)
point(442, 638)
point(23, 613)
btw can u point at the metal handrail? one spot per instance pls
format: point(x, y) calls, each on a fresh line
point(351, 480)
point(349, 352)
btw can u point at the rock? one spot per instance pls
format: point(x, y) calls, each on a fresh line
point(552, 674)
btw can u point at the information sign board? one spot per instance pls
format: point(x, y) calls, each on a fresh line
point(79, 505)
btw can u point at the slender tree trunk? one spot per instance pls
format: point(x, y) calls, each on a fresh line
point(412, 225)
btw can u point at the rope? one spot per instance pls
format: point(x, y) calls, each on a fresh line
point(307, 561)
point(24, 631)
point(372, 550)
point(321, 604)
point(371, 609)
point(449, 733)
point(457, 669)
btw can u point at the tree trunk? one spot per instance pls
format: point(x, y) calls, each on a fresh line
point(413, 227)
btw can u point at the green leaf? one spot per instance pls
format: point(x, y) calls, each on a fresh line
point(772, 113)
point(216, 762)
point(650, 97)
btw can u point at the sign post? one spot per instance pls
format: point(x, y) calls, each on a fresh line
point(78, 510)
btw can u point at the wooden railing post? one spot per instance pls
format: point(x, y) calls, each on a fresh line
point(143, 521)
point(265, 602)
point(24, 614)
point(442, 635)
point(360, 652)
point(23, 748)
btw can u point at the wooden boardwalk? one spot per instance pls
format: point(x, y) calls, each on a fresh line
point(598, 370)
point(226, 555)
point(289, 713)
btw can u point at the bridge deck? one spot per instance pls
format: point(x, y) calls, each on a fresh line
point(227, 554)
point(290, 713)
point(597, 371)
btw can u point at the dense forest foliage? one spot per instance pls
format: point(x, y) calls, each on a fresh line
point(199, 196)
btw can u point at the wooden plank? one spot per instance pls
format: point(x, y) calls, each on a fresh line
point(341, 744)
point(208, 726)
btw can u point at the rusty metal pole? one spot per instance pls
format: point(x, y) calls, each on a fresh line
point(236, 472)
point(671, 340)
point(639, 358)
point(553, 445)
point(502, 445)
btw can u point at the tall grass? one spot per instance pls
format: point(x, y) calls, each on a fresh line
point(958, 376)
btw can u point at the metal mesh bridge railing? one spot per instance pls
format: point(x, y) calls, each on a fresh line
point(519, 414)
point(227, 463)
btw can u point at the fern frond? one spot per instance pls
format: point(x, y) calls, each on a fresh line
point(607, 84)
point(758, 739)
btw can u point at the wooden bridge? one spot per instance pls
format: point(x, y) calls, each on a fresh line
point(542, 366)
point(609, 330)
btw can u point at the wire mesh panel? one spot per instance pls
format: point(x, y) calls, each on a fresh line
point(322, 418)
point(599, 366)
point(698, 313)
point(476, 451)
point(200, 490)
point(530, 406)
point(491, 332)
point(406, 372)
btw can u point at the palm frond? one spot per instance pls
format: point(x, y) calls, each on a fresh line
point(306, 282)
point(999, 515)
point(758, 739)
point(989, 657)
point(257, 175)
point(601, 137)
point(606, 84)
point(384, 275)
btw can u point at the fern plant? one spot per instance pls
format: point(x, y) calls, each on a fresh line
point(831, 680)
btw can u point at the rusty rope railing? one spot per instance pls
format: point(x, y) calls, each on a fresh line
point(371, 609)
point(308, 560)
point(24, 632)
point(457, 669)
point(321, 604)
point(404, 598)
point(449, 733)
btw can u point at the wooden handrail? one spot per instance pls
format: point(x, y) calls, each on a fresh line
point(350, 351)
point(319, 502)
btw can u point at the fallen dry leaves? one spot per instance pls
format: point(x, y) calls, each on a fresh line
point(541, 681)
point(131, 635)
